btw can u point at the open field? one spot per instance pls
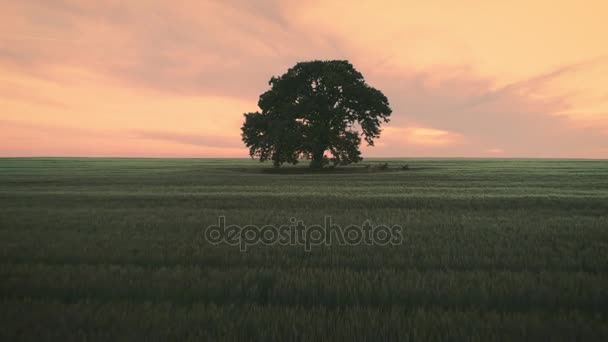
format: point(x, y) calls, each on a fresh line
point(113, 249)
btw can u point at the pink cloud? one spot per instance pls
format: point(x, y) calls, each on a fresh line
point(496, 150)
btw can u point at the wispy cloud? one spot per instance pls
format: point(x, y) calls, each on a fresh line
point(197, 139)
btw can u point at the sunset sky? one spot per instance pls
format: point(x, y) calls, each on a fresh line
point(173, 78)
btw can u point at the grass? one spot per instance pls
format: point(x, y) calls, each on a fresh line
point(113, 249)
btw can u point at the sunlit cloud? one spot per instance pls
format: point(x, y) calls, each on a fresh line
point(496, 150)
point(196, 139)
point(422, 136)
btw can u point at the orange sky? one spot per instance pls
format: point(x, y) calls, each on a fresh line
point(173, 78)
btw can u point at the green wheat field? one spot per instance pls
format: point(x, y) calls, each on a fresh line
point(96, 249)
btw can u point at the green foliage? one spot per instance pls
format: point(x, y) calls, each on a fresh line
point(312, 109)
point(112, 249)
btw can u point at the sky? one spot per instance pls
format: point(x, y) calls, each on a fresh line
point(469, 78)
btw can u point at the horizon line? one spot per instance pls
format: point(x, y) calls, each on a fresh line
point(393, 157)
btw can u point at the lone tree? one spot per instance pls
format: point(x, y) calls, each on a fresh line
point(314, 108)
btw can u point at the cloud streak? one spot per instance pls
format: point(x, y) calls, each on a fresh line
point(196, 139)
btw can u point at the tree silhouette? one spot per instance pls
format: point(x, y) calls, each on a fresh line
point(314, 108)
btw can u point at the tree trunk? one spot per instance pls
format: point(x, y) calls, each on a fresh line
point(317, 158)
point(320, 143)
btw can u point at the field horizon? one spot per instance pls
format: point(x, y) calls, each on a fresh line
point(269, 164)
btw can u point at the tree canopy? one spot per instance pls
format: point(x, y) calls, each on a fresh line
point(314, 108)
